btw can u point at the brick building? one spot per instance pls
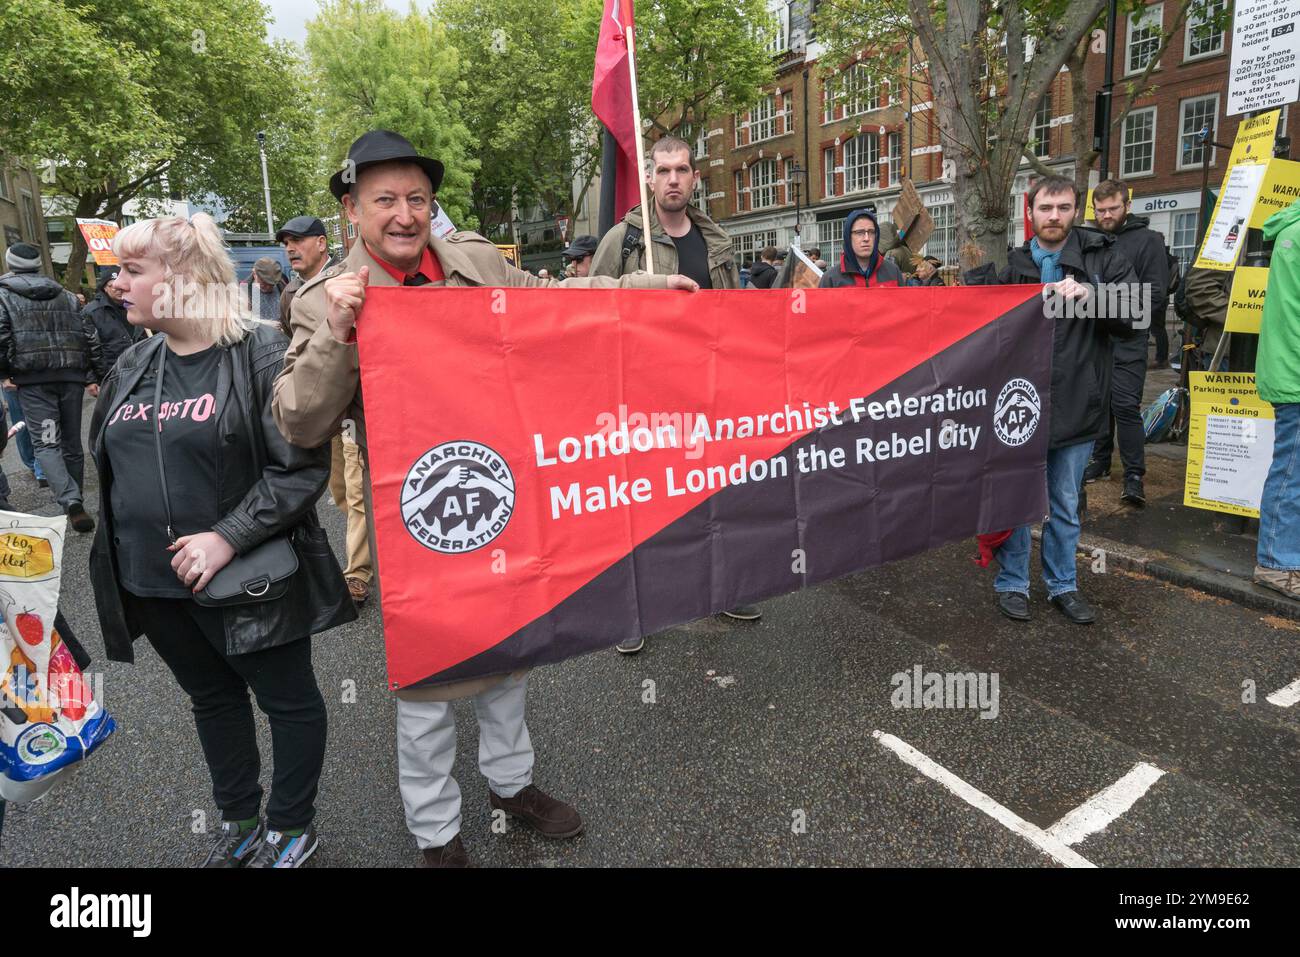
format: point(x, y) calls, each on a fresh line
point(21, 220)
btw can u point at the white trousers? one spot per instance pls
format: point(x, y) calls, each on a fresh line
point(426, 750)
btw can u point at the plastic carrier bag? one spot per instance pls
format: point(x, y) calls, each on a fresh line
point(49, 718)
point(1160, 414)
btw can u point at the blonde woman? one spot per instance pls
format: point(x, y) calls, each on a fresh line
point(194, 475)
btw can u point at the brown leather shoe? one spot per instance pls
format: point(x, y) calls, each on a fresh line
point(540, 811)
point(451, 854)
point(359, 590)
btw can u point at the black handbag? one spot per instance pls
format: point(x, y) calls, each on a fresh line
point(260, 574)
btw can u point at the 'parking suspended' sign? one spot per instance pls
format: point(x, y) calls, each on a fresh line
point(1265, 70)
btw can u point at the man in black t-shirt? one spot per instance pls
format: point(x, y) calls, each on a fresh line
point(685, 241)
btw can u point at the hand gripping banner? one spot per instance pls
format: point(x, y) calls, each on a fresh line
point(554, 471)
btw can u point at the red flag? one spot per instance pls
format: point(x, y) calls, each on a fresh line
point(611, 100)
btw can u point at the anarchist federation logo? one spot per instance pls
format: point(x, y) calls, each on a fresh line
point(457, 497)
point(1015, 416)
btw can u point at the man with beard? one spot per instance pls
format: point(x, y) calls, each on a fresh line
point(1075, 263)
point(685, 241)
point(1145, 250)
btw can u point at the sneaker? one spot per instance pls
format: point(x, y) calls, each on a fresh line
point(42, 483)
point(80, 520)
point(280, 850)
point(1134, 493)
point(632, 645)
point(1280, 580)
point(1095, 470)
point(744, 613)
point(234, 847)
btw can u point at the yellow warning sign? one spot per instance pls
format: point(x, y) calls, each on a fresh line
point(1229, 445)
point(1254, 142)
point(1246, 306)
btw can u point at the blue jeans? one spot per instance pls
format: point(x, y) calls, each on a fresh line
point(24, 440)
point(1060, 532)
point(1279, 508)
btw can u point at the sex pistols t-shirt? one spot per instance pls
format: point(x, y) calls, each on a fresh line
point(189, 443)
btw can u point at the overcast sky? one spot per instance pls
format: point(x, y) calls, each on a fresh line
point(291, 16)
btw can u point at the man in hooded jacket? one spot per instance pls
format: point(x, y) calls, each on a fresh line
point(109, 316)
point(861, 263)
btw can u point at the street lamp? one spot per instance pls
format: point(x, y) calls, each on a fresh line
point(266, 182)
point(798, 176)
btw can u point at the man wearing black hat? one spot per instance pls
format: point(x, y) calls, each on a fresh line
point(387, 191)
point(579, 254)
point(307, 247)
point(51, 352)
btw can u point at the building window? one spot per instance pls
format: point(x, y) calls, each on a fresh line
point(29, 218)
point(762, 184)
point(700, 198)
point(739, 178)
point(828, 171)
point(943, 241)
point(1204, 38)
point(779, 41)
point(747, 246)
point(1040, 134)
point(1139, 143)
point(1182, 241)
point(830, 239)
point(762, 120)
point(830, 93)
point(861, 91)
point(895, 158)
point(861, 163)
point(4, 185)
point(1194, 115)
point(1143, 38)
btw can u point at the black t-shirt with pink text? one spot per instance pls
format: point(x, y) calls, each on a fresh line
point(189, 443)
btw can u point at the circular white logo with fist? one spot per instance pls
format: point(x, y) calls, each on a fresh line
point(457, 497)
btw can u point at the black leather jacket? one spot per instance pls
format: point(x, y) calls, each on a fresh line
point(115, 333)
point(43, 336)
point(254, 507)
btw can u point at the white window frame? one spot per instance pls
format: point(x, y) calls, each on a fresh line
point(861, 91)
point(1183, 134)
point(760, 185)
point(738, 179)
point(779, 42)
point(828, 171)
point(4, 185)
point(830, 86)
point(762, 118)
point(830, 239)
point(894, 157)
point(1125, 172)
point(1152, 16)
point(943, 241)
point(1213, 8)
point(1040, 130)
point(700, 195)
point(861, 163)
point(1188, 218)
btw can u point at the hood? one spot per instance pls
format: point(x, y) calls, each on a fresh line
point(1281, 220)
point(717, 241)
point(761, 266)
point(850, 260)
point(31, 285)
point(1132, 222)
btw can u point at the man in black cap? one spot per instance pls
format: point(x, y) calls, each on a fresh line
point(579, 254)
point(307, 248)
point(51, 353)
point(387, 191)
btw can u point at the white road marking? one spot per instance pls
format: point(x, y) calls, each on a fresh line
point(1285, 697)
point(1050, 845)
point(1096, 814)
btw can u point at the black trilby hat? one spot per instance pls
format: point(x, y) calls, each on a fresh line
point(382, 146)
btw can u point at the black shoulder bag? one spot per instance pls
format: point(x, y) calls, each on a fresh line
point(260, 574)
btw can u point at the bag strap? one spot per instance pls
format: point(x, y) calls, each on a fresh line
point(631, 242)
point(157, 439)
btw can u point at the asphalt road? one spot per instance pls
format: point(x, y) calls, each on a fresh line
point(760, 745)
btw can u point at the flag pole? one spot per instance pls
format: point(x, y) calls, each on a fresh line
point(629, 30)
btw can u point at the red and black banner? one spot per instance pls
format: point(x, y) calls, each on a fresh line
point(554, 471)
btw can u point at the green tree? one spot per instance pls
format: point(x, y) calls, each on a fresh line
point(529, 105)
point(139, 99)
point(377, 69)
point(989, 64)
point(698, 59)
